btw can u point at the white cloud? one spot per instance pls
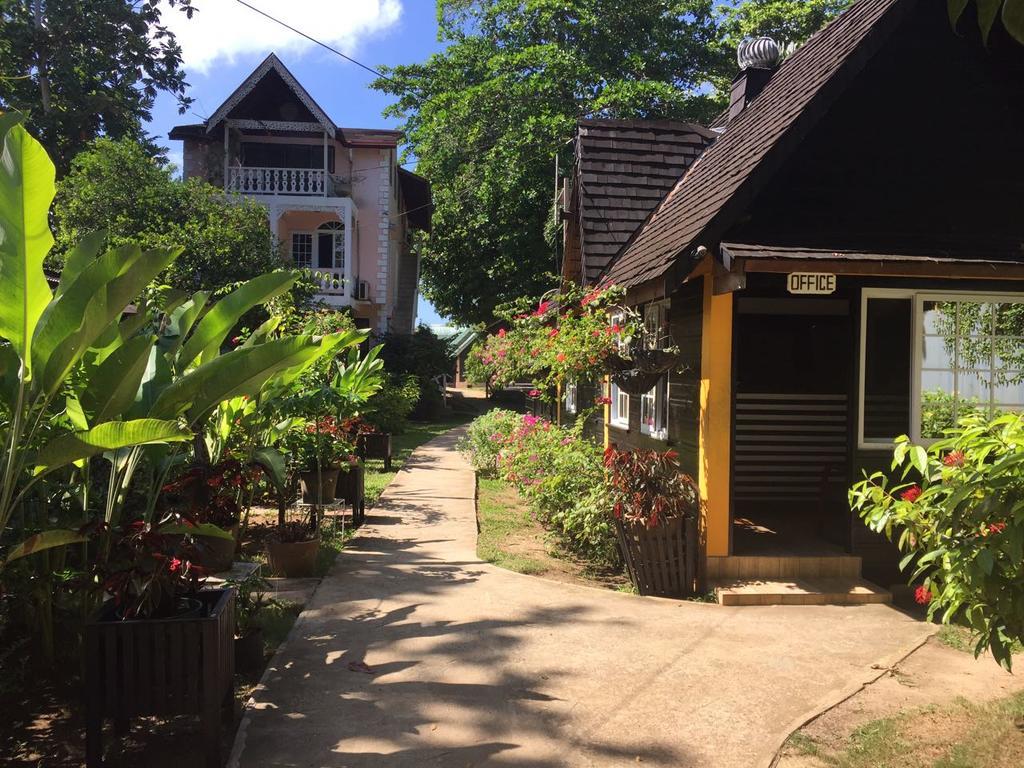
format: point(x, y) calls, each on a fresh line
point(221, 30)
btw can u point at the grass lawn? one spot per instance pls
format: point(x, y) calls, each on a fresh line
point(961, 639)
point(415, 435)
point(510, 538)
point(960, 735)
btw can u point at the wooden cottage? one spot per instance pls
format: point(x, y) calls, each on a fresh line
point(844, 264)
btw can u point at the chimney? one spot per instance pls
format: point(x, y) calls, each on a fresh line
point(758, 60)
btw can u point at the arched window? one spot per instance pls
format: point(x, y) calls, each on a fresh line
point(330, 239)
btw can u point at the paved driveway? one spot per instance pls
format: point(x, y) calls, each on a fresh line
point(474, 665)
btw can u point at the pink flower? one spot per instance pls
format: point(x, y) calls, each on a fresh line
point(501, 333)
point(502, 352)
point(174, 565)
point(534, 393)
point(566, 440)
point(552, 333)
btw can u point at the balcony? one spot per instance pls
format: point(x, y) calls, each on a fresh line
point(332, 281)
point(248, 180)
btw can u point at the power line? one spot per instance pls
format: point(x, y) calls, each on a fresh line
point(312, 39)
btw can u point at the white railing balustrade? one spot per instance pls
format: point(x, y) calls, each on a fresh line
point(332, 281)
point(277, 181)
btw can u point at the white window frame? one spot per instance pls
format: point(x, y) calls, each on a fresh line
point(656, 400)
point(337, 230)
point(917, 299)
point(619, 416)
point(312, 248)
point(572, 397)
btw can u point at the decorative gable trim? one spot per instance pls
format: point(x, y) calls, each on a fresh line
point(250, 83)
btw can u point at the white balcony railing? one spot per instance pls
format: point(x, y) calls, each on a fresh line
point(332, 281)
point(277, 181)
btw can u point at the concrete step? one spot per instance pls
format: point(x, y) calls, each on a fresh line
point(783, 567)
point(806, 591)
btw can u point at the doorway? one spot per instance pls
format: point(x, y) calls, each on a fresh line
point(791, 426)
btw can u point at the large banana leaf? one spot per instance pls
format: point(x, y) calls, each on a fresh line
point(89, 306)
point(113, 385)
point(239, 372)
point(218, 322)
point(85, 250)
point(45, 540)
point(181, 319)
point(26, 191)
point(113, 435)
point(274, 462)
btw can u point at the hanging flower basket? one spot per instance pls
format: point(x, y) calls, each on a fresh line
point(636, 374)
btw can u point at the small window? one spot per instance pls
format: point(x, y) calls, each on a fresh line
point(571, 398)
point(654, 410)
point(331, 245)
point(302, 249)
point(620, 407)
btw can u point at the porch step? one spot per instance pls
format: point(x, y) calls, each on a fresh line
point(767, 567)
point(809, 591)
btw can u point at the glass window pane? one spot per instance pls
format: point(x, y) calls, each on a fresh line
point(887, 361)
point(938, 352)
point(940, 318)
point(937, 413)
point(975, 318)
point(1009, 353)
point(1009, 319)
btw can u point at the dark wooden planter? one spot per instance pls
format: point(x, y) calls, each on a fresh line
point(249, 651)
point(375, 445)
point(352, 488)
point(217, 555)
point(328, 479)
point(661, 561)
point(161, 667)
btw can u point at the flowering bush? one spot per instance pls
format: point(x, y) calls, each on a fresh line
point(957, 512)
point(210, 494)
point(558, 472)
point(565, 337)
point(485, 438)
point(648, 487)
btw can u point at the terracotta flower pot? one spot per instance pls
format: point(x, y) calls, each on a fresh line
point(328, 479)
point(293, 559)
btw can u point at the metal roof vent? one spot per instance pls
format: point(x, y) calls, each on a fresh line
point(758, 53)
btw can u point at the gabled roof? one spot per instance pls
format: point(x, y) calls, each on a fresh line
point(716, 189)
point(271, 64)
point(623, 168)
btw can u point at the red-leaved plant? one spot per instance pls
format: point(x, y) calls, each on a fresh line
point(648, 487)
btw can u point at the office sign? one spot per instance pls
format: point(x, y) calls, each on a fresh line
point(813, 283)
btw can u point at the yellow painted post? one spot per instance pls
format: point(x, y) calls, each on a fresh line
point(716, 417)
point(606, 392)
point(558, 403)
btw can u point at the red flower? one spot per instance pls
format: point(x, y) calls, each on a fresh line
point(501, 333)
point(236, 340)
point(596, 334)
point(995, 528)
point(174, 565)
point(552, 333)
point(616, 328)
point(560, 357)
point(502, 353)
point(954, 459)
point(534, 393)
point(603, 400)
point(534, 352)
point(922, 595)
point(912, 494)
point(542, 308)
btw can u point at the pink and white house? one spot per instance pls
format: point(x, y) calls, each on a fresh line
point(337, 200)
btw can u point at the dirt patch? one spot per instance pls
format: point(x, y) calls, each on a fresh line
point(940, 706)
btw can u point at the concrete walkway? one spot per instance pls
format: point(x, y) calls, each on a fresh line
point(473, 665)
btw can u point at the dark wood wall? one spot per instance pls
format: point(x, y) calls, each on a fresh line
point(685, 320)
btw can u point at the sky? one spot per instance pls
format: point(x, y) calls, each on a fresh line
point(224, 41)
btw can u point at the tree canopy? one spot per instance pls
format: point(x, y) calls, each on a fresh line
point(486, 117)
point(78, 70)
point(116, 186)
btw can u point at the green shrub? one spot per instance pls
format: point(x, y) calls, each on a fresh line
point(389, 409)
point(957, 512)
point(485, 437)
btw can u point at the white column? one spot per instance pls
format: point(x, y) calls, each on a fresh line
point(227, 137)
point(275, 224)
point(345, 213)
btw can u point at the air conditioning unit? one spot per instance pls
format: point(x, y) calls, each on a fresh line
point(362, 291)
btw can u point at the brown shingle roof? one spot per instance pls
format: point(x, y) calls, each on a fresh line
point(624, 167)
point(723, 181)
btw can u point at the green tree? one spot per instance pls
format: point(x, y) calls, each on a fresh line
point(988, 12)
point(78, 70)
point(486, 117)
point(118, 187)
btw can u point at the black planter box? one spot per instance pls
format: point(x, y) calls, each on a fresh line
point(161, 667)
point(352, 488)
point(663, 560)
point(375, 445)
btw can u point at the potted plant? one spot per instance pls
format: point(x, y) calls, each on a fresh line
point(249, 643)
point(211, 494)
point(655, 508)
point(293, 549)
point(158, 645)
point(316, 448)
point(371, 443)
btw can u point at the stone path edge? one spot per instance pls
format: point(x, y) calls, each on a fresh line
point(832, 700)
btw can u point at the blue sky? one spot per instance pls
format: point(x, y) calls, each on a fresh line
point(225, 41)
